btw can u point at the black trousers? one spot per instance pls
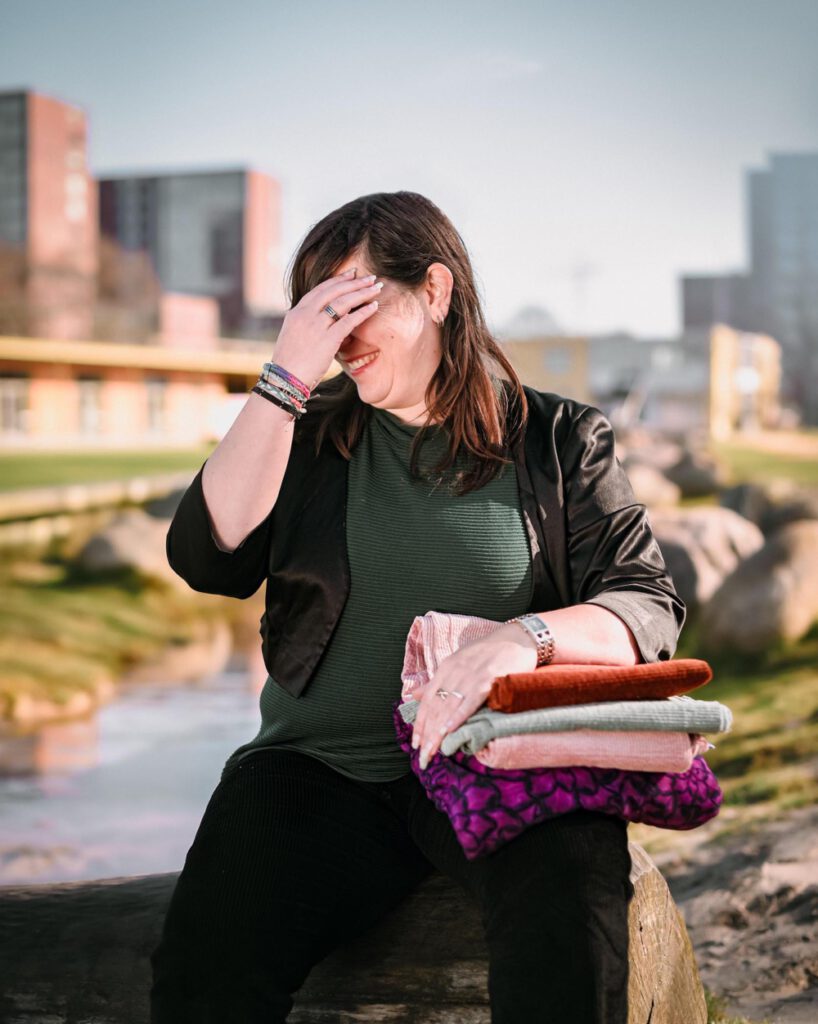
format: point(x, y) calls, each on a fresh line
point(292, 858)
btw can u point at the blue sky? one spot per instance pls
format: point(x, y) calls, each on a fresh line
point(607, 134)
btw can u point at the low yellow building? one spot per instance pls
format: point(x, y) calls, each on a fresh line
point(712, 381)
point(555, 363)
point(745, 381)
point(184, 390)
point(69, 395)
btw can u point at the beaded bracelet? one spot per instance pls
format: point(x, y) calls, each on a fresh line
point(271, 398)
point(297, 404)
point(291, 379)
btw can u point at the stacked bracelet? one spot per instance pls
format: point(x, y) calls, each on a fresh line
point(279, 397)
point(287, 394)
point(273, 369)
point(276, 401)
point(282, 388)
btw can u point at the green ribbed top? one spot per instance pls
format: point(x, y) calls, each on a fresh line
point(413, 547)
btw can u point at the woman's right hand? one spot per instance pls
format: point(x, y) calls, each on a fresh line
point(309, 337)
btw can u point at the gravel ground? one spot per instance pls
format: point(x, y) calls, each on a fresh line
point(750, 900)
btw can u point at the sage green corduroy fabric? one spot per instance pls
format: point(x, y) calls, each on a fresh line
point(412, 548)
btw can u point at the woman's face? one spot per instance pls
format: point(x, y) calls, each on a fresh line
point(403, 338)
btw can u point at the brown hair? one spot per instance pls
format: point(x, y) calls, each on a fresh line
point(399, 235)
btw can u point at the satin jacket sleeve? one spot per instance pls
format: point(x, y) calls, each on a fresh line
point(613, 556)
point(194, 555)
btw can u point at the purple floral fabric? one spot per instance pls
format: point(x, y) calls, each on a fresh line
point(489, 806)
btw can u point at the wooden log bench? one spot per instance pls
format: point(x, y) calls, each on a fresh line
point(78, 953)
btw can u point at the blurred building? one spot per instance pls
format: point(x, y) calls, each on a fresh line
point(210, 233)
point(745, 382)
point(709, 383)
point(59, 395)
point(618, 360)
point(778, 295)
point(531, 322)
point(48, 218)
point(712, 299)
point(559, 364)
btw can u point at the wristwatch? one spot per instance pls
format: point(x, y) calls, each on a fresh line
point(539, 629)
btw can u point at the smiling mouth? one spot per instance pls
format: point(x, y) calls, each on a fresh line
point(360, 362)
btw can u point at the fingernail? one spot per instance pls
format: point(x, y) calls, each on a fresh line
point(351, 270)
point(424, 756)
point(415, 741)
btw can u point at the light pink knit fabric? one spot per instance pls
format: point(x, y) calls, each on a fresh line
point(433, 637)
point(638, 751)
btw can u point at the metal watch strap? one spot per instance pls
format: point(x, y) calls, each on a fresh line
point(541, 632)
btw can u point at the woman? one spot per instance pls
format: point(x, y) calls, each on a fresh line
point(419, 478)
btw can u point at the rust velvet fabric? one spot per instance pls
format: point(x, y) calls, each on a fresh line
point(558, 685)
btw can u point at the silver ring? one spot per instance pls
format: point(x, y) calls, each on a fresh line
point(444, 694)
point(331, 311)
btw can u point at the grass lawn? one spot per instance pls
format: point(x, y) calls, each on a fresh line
point(768, 762)
point(793, 457)
point(798, 462)
point(43, 469)
point(64, 631)
point(770, 756)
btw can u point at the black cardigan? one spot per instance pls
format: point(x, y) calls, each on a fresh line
point(590, 540)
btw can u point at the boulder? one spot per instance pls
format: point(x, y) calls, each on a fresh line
point(639, 445)
point(165, 506)
point(650, 485)
point(770, 598)
point(697, 474)
point(802, 505)
point(131, 539)
point(701, 546)
point(753, 500)
point(426, 961)
point(771, 505)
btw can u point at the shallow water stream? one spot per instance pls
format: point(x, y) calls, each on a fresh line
point(121, 792)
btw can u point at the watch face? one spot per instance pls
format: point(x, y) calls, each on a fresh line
point(536, 621)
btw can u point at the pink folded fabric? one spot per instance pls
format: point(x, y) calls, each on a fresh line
point(638, 751)
point(432, 638)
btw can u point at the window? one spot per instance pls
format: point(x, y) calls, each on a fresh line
point(156, 388)
point(14, 403)
point(557, 361)
point(90, 404)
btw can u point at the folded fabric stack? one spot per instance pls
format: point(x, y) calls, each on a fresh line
point(624, 740)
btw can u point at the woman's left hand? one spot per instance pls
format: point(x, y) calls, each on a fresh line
point(470, 671)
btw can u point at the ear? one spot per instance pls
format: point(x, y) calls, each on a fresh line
point(439, 287)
